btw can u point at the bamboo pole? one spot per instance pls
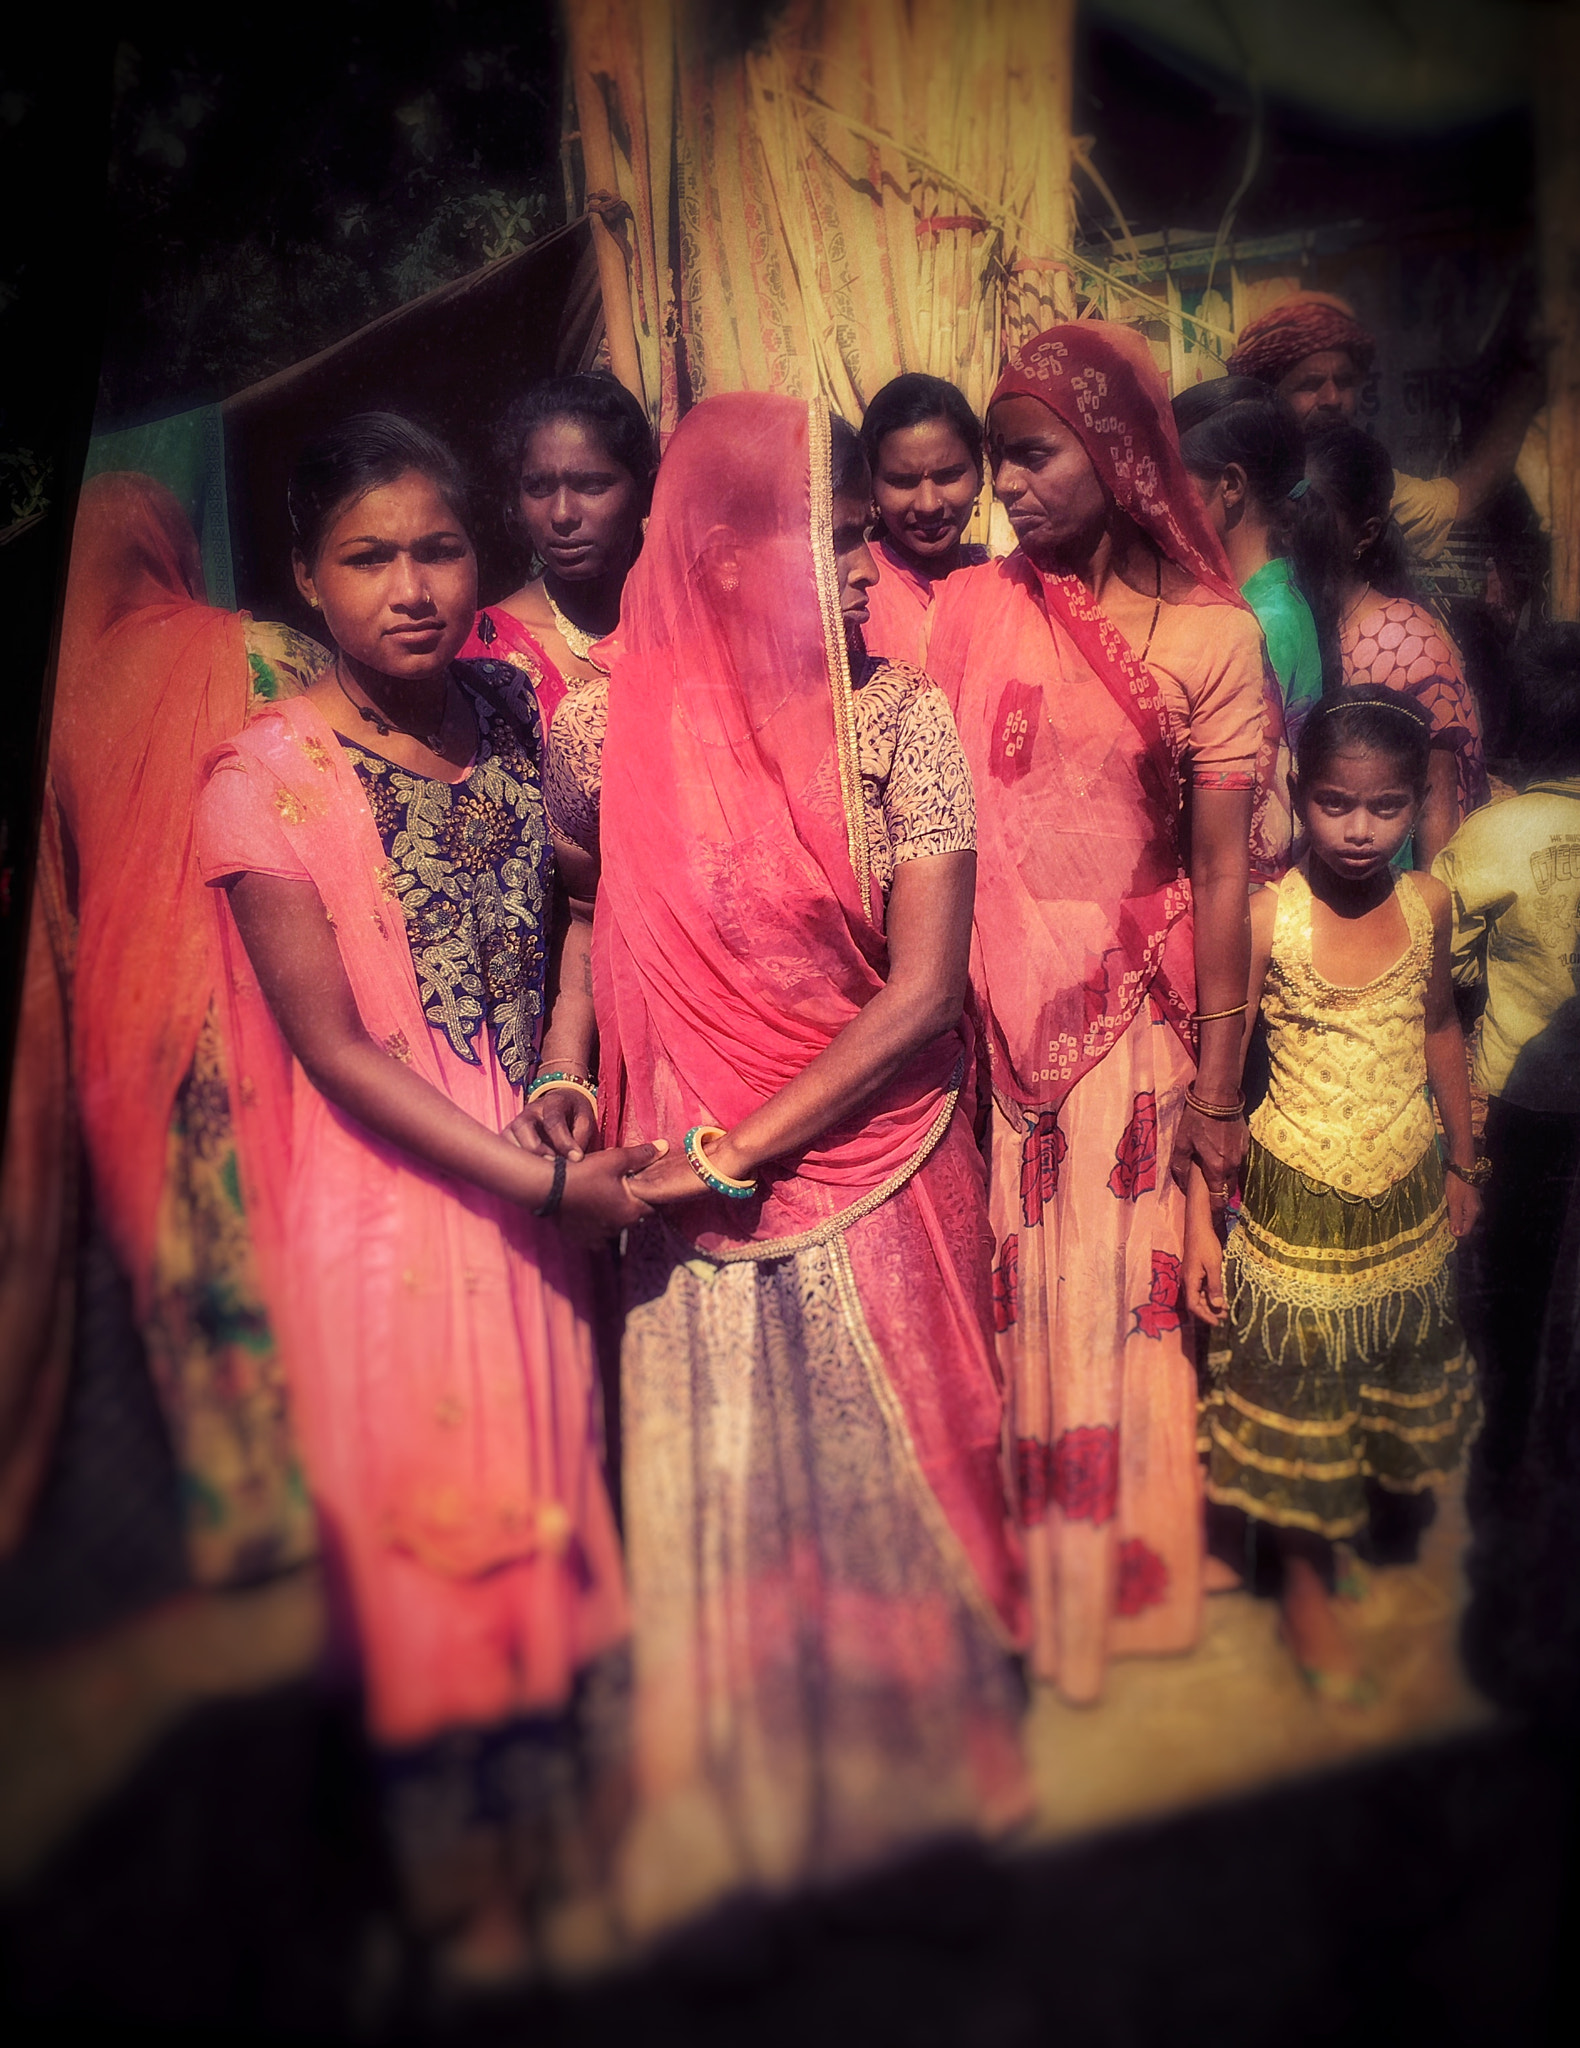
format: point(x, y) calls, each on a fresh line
point(1557, 95)
point(584, 19)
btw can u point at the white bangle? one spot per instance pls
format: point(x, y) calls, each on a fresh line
point(563, 1081)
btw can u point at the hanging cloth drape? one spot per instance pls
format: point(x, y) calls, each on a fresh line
point(868, 189)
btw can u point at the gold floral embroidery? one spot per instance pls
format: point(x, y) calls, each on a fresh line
point(397, 1048)
point(291, 808)
point(316, 752)
point(471, 866)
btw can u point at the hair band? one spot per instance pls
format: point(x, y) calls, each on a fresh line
point(1344, 700)
point(1299, 490)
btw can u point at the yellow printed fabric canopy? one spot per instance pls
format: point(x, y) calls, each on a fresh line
point(872, 187)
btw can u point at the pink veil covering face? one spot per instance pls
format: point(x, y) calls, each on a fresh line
point(149, 679)
point(738, 927)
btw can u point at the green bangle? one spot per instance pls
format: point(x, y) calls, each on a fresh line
point(711, 1178)
point(545, 1082)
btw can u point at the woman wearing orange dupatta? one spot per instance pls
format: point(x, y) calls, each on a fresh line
point(825, 1589)
point(149, 678)
point(1099, 673)
point(388, 888)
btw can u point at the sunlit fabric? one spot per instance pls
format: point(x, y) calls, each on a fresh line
point(825, 1588)
point(150, 677)
point(873, 189)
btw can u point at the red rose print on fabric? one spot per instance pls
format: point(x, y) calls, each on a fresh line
point(1006, 1283)
point(1143, 1577)
point(1086, 1474)
point(1033, 1480)
point(1136, 1161)
point(1040, 1159)
point(1015, 731)
point(1161, 1309)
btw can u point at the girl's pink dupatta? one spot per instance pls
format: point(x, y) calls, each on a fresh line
point(470, 1464)
point(738, 927)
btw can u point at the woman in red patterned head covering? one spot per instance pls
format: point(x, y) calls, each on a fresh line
point(1110, 691)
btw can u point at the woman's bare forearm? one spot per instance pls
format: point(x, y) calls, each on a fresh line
point(1221, 915)
point(866, 1056)
point(297, 961)
point(929, 933)
point(1223, 968)
point(570, 1037)
point(401, 1107)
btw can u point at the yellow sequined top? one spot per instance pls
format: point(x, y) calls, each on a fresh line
point(1346, 1102)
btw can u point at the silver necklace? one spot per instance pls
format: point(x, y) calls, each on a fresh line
point(580, 643)
point(384, 726)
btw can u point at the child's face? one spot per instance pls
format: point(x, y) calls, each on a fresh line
point(1358, 812)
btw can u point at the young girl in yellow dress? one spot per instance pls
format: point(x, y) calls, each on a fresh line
point(1345, 1358)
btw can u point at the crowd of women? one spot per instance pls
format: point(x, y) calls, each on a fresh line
point(863, 933)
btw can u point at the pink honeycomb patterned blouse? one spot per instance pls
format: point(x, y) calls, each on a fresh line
point(1397, 644)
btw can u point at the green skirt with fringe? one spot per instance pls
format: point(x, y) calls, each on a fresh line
point(1341, 1358)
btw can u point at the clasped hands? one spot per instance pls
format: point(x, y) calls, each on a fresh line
point(605, 1191)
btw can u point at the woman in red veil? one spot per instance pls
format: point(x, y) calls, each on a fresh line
point(825, 1589)
point(1112, 699)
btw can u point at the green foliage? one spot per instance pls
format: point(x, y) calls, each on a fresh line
point(24, 486)
point(270, 194)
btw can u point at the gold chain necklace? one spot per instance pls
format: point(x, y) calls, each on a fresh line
point(580, 644)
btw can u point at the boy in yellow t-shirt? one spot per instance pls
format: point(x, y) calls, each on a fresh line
point(1513, 872)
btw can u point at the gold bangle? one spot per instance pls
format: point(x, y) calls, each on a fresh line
point(1217, 1112)
point(1212, 1016)
point(562, 1081)
point(703, 1167)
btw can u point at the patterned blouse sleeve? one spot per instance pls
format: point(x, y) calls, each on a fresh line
point(573, 778)
point(928, 803)
point(238, 829)
point(280, 661)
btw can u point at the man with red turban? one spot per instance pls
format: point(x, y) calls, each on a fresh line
point(1313, 351)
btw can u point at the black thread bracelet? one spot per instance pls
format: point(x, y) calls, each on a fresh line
point(556, 1193)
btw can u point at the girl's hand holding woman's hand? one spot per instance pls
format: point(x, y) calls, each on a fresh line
point(669, 1182)
point(1203, 1275)
point(561, 1121)
point(600, 1199)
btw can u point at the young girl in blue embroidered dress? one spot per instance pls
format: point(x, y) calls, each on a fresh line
point(1345, 1362)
